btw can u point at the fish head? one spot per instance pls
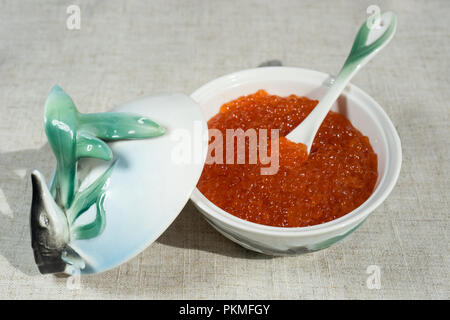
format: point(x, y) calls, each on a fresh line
point(49, 228)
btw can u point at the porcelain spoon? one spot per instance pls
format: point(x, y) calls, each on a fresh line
point(371, 38)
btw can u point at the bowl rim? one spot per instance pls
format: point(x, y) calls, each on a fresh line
point(393, 164)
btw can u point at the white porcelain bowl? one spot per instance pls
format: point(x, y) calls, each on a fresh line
point(364, 113)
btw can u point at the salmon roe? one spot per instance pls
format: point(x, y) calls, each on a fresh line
point(338, 176)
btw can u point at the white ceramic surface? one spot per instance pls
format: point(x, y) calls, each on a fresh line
point(364, 113)
point(148, 186)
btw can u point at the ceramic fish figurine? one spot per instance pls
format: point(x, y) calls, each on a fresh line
point(55, 210)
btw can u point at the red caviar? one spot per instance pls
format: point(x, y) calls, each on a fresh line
point(338, 176)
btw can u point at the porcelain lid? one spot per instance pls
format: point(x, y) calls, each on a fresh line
point(152, 181)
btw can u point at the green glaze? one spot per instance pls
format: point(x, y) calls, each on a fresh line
point(360, 49)
point(73, 135)
point(55, 211)
point(94, 228)
point(83, 200)
point(329, 242)
point(118, 125)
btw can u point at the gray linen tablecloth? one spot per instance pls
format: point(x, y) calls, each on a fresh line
point(127, 49)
